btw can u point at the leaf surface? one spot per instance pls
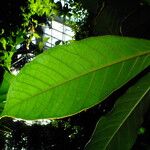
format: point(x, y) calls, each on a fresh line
point(70, 78)
point(7, 79)
point(118, 130)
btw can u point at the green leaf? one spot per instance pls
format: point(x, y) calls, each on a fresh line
point(7, 59)
point(4, 42)
point(36, 35)
point(119, 129)
point(70, 78)
point(7, 79)
point(19, 40)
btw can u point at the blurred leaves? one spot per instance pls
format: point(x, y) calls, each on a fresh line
point(7, 79)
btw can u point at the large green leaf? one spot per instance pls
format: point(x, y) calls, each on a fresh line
point(67, 79)
point(7, 79)
point(118, 130)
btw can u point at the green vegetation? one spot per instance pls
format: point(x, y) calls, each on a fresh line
point(124, 120)
point(17, 31)
point(69, 82)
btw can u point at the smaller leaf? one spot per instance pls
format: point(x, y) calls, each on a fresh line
point(118, 130)
point(36, 35)
point(2, 98)
point(2, 31)
point(40, 45)
point(4, 88)
point(4, 42)
point(45, 39)
point(19, 40)
point(7, 59)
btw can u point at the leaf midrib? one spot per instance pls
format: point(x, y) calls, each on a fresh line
point(124, 120)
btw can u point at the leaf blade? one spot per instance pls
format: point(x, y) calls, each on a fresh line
point(7, 79)
point(119, 129)
point(70, 69)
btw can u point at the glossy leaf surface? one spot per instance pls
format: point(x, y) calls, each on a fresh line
point(118, 130)
point(68, 79)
